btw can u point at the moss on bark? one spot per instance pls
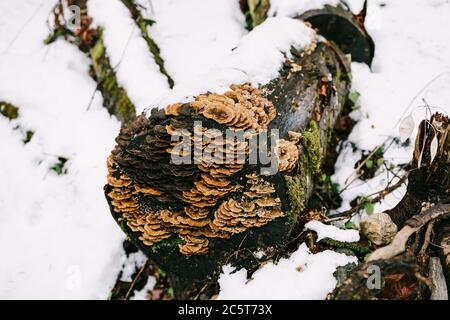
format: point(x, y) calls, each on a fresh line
point(153, 47)
point(8, 110)
point(115, 97)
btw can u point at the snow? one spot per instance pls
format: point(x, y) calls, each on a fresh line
point(257, 58)
point(195, 35)
point(332, 232)
point(301, 276)
point(135, 67)
point(261, 53)
point(294, 8)
point(411, 62)
point(56, 235)
point(131, 265)
point(143, 293)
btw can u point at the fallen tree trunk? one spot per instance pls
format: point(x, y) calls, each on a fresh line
point(193, 218)
point(340, 25)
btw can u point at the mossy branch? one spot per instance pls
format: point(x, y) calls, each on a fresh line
point(90, 41)
point(143, 24)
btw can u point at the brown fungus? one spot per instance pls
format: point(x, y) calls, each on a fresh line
point(209, 198)
point(287, 155)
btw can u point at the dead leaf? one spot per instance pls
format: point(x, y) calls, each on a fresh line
point(433, 148)
point(406, 128)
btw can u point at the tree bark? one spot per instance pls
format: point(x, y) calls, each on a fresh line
point(429, 178)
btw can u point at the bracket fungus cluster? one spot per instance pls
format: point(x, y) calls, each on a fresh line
point(213, 196)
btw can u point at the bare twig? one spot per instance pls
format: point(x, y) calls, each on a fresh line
point(427, 238)
point(398, 245)
point(381, 194)
point(133, 284)
point(438, 284)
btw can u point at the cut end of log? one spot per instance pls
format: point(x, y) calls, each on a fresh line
point(213, 195)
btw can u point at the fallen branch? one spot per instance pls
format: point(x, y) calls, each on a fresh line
point(398, 245)
point(429, 176)
point(438, 285)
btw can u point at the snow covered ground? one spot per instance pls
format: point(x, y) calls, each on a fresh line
point(57, 239)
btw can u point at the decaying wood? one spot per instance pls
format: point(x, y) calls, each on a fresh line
point(426, 202)
point(398, 245)
point(429, 177)
point(298, 105)
point(396, 278)
point(308, 96)
point(439, 287)
point(443, 248)
point(338, 24)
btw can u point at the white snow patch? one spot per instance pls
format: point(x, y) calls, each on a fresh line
point(56, 231)
point(133, 262)
point(301, 276)
point(259, 54)
point(143, 293)
point(292, 8)
point(258, 57)
point(333, 232)
point(259, 254)
point(129, 54)
point(408, 56)
point(195, 35)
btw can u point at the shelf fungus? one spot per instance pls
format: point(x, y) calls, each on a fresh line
point(224, 175)
point(287, 154)
point(184, 171)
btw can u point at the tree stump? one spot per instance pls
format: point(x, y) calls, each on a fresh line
point(407, 275)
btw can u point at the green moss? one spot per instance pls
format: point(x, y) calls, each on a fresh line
point(123, 224)
point(338, 78)
point(154, 49)
point(170, 293)
point(97, 53)
point(329, 132)
point(169, 243)
point(8, 110)
point(296, 191)
point(115, 98)
point(357, 248)
point(257, 9)
point(28, 136)
point(311, 158)
point(309, 169)
point(60, 167)
point(52, 37)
